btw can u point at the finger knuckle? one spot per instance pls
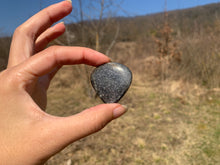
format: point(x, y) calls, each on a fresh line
point(53, 51)
point(19, 30)
point(11, 80)
point(5, 80)
point(52, 48)
point(23, 30)
point(98, 120)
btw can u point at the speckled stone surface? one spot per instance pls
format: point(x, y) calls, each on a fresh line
point(111, 81)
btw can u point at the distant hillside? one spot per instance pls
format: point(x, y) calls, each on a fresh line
point(185, 21)
point(202, 21)
point(4, 51)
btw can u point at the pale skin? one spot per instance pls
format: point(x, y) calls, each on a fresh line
point(28, 135)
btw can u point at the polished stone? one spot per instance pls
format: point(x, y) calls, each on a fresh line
point(111, 81)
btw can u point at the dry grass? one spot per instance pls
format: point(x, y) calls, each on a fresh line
point(177, 125)
point(201, 60)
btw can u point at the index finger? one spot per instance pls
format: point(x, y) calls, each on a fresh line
point(45, 61)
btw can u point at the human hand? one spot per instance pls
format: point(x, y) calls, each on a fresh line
point(28, 135)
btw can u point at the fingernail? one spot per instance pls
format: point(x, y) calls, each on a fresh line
point(62, 23)
point(119, 111)
point(69, 1)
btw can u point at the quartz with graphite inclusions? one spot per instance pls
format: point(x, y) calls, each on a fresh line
point(111, 81)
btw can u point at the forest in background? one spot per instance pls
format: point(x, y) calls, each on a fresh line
point(192, 33)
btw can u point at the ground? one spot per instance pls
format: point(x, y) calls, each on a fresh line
point(168, 122)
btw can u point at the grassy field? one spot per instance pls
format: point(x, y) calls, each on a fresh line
point(168, 122)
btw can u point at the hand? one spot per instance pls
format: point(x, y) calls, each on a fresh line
point(28, 135)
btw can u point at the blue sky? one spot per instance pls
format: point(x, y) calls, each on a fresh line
point(15, 12)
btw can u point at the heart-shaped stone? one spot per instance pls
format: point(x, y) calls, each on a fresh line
point(111, 81)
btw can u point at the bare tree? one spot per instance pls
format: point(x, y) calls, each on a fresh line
point(4, 50)
point(92, 24)
point(113, 41)
point(81, 22)
point(99, 15)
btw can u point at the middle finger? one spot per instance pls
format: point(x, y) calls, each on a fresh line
point(49, 35)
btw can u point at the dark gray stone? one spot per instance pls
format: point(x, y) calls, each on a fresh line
point(111, 81)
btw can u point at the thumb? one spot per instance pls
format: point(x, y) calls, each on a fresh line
point(69, 129)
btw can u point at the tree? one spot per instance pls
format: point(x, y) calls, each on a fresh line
point(4, 51)
point(92, 24)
